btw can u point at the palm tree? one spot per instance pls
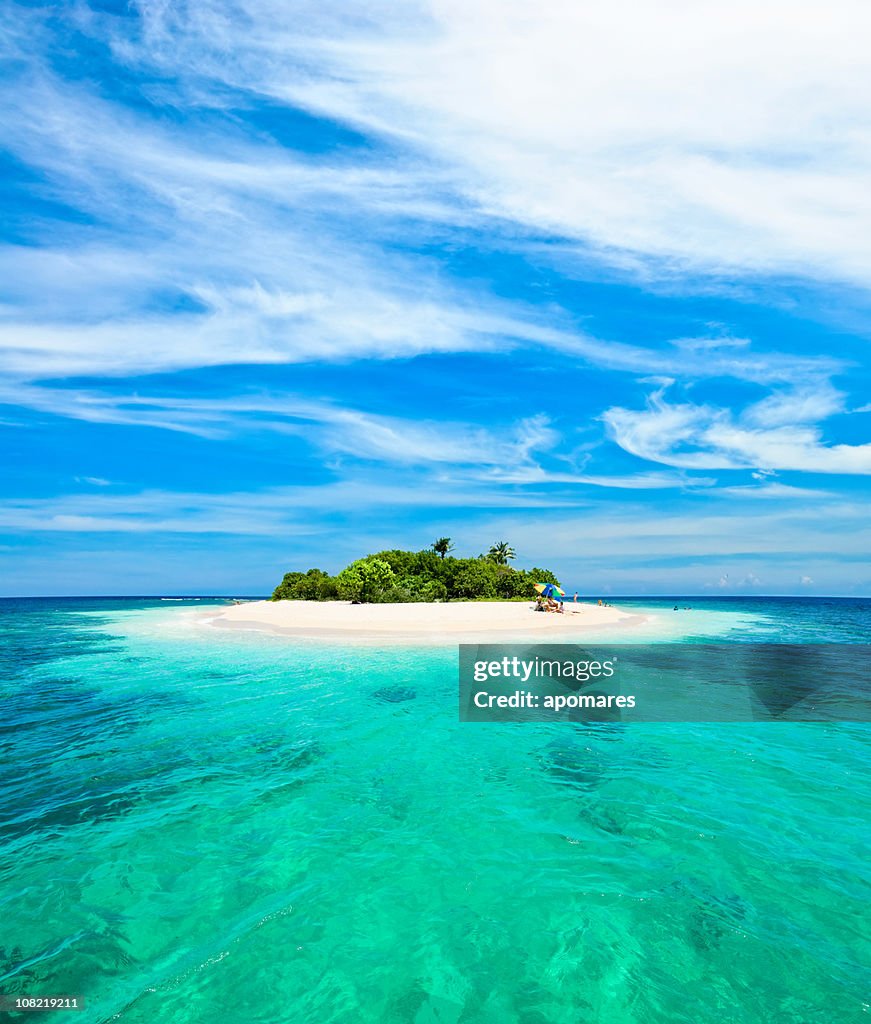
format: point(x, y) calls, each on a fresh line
point(442, 546)
point(500, 553)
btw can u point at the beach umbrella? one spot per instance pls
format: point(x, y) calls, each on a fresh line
point(549, 590)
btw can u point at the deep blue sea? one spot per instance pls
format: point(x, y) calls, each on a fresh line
point(210, 826)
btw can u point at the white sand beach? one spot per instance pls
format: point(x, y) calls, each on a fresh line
point(453, 622)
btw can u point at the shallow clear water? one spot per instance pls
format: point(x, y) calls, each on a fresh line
point(200, 825)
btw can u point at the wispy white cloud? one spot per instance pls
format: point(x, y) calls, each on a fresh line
point(563, 119)
point(613, 535)
point(244, 234)
point(776, 492)
point(509, 454)
point(94, 481)
point(541, 524)
point(501, 457)
point(334, 428)
point(240, 231)
point(805, 404)
point(643, 481)
point(778, 433)
point(273, 512)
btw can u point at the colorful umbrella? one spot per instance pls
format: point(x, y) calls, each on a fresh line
point(549, 590)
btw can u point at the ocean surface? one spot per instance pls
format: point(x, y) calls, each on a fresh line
point(205, 826)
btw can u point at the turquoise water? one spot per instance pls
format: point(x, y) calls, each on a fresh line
point(204, 826)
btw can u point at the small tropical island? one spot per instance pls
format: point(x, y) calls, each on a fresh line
point(423, 597)
point(430, 575)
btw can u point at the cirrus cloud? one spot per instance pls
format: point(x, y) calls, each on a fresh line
point(774, 434)
point(751, 152)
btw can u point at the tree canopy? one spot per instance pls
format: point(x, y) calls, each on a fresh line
point(428, 575)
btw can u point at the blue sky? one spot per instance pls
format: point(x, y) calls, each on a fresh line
point(281, 284)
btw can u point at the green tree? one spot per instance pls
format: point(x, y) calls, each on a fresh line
point(286, 590)
point(443, 546)
point(365, 580)
point(477, 578)
point(513, 583)
point(314, 585)
point(401, 562)
point(501, 552)
point(320, 586)
point(542, 576)
point(433, 590)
